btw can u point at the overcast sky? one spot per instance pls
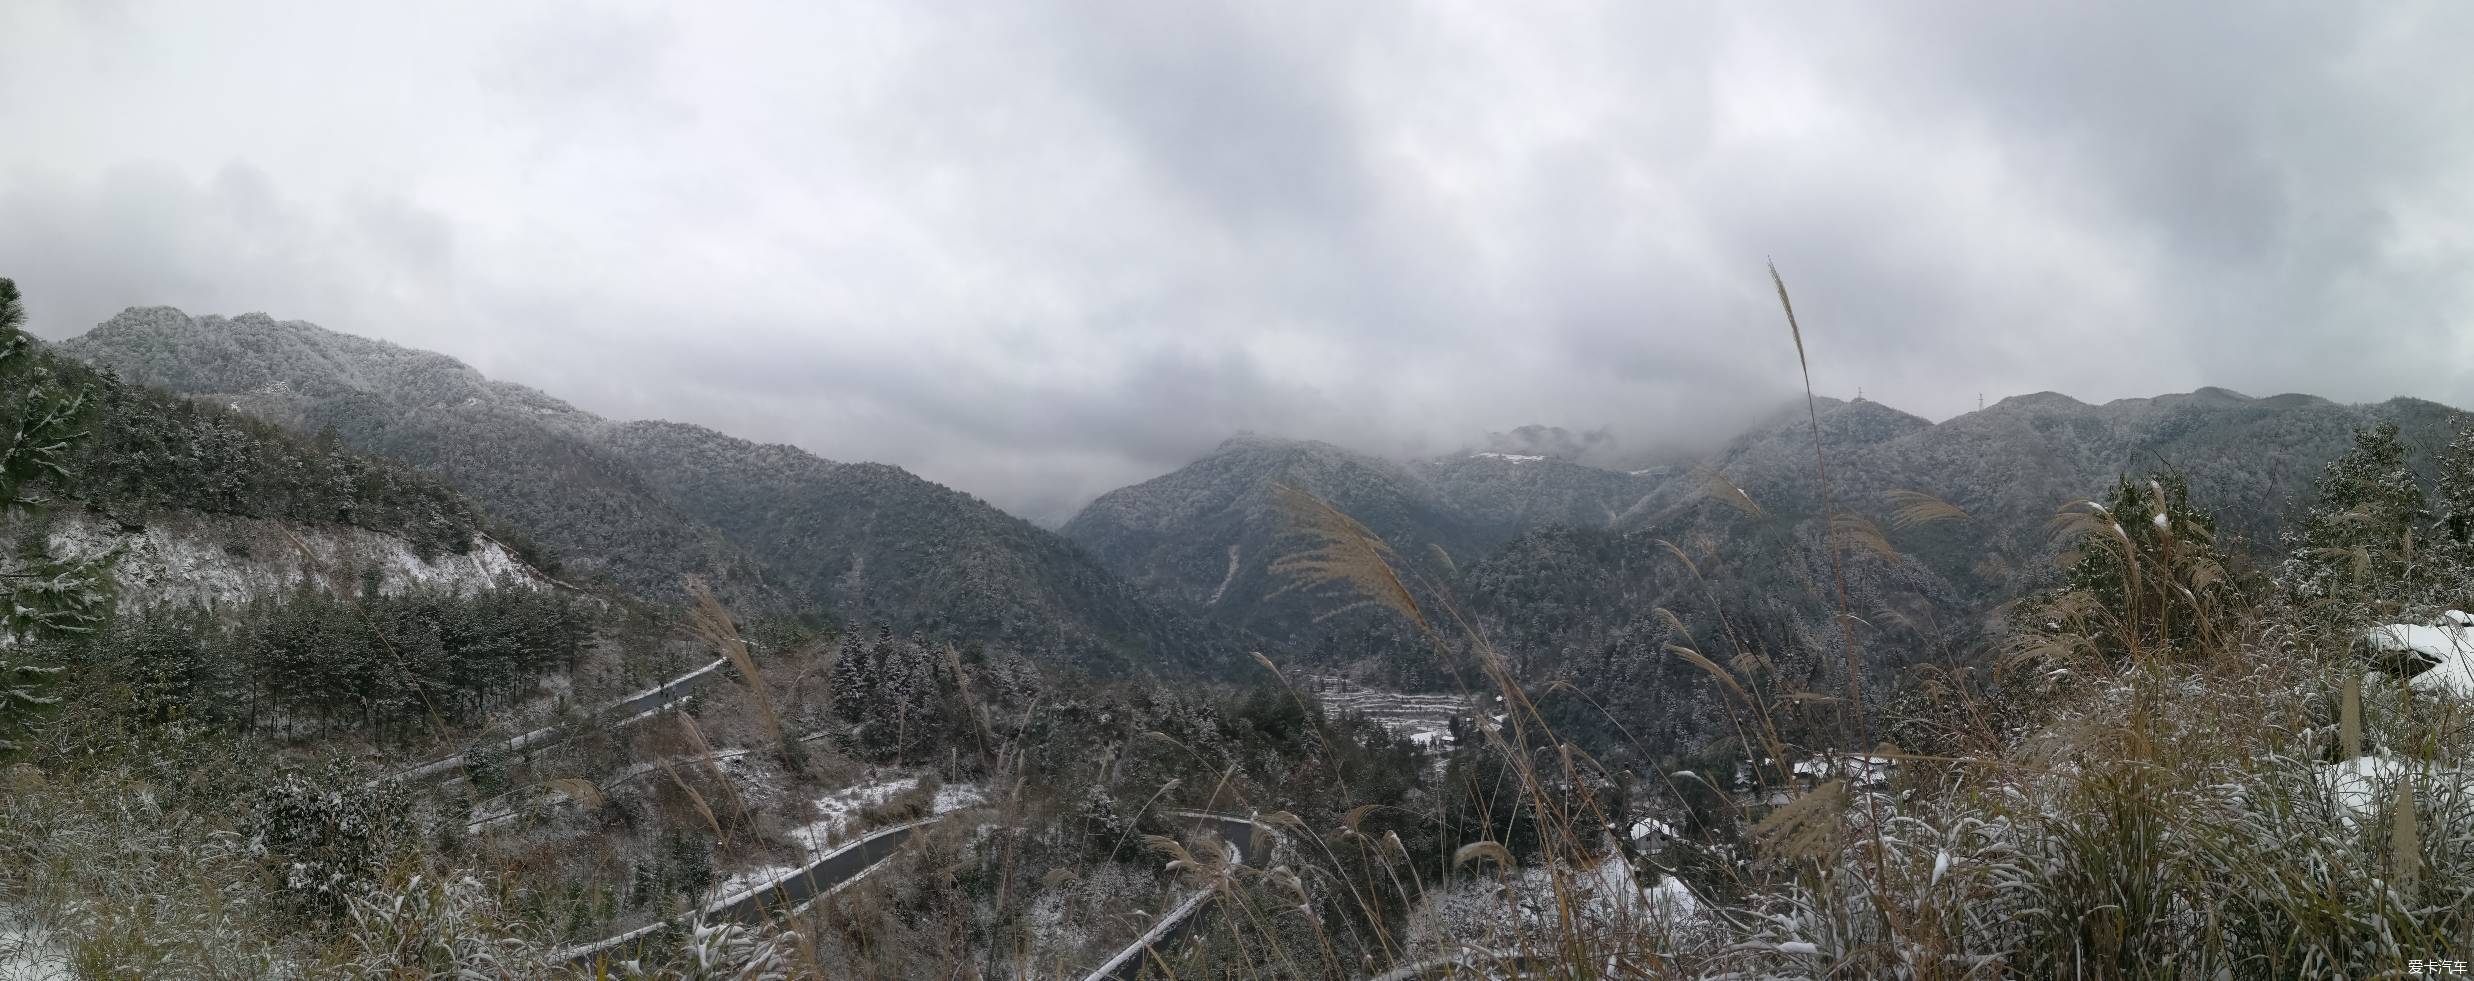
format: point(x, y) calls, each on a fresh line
point(1037, 253)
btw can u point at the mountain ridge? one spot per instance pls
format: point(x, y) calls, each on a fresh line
point(646, 504)
point(2007, 465)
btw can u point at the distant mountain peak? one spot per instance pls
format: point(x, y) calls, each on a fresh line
point(1552, 442)
point(1247, 439)
point(2040, 400)
point(257, 353)
point(646, 505)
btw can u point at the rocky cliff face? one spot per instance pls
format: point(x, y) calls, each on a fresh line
point(216, 561)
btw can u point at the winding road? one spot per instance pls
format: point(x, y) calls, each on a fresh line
point(781, 897)
point(792, 893)
point(628, 710)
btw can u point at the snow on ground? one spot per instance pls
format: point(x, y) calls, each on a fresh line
point(956, 796)
point(1061, 917)
point(223, 560)
point(2358, 784)
point(2450, 643)
point(2439, 643)
point(2454, 676)
point(1049, 923)
point(1507, 457)
point(27, 953)
point(1674, 898)
point(1225, 578)
point(2361, 787)
point(836, 811)
point(1478, 910)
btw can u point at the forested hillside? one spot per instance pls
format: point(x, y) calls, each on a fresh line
point(879, 545)
point(146, 452)
point(1576, 569)
point(645, 505)
point(1928, 576)
point(328, 697)
point(1208, 535)
point(1505, 494)
point(240, 573)
point(529, 457)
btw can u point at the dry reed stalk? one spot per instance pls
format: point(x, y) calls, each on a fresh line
point(713, 624)
point(1346, 554)
point(1917, 509)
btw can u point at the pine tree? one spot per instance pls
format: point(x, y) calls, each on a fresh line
point(2453, 545)
point(40, 595)
point(855, 672)
point(2364, 547)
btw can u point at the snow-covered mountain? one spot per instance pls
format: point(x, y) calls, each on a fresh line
point(644, 505)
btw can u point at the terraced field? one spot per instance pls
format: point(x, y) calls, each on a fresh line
point(1423, 717)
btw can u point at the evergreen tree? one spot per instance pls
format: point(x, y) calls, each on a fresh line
point(2364, 547)
point(2453, 545)
point(42, 595)
point(855, 670)
point(329, 834)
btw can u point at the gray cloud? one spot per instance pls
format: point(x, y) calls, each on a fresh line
point(1039, 253)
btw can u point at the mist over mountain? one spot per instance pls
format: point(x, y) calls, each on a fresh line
point(1561, 553)
point(1207, 535)
point(1261, 490)
point(299, 540)
point(1156, 564)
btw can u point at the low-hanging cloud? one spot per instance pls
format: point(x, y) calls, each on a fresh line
point(1039, 252)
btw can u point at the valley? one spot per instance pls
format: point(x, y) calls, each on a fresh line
point(413, 667)
point(1260, 491)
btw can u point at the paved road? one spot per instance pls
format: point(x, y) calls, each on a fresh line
point(513, 811)
point(780, 897)
point(790, 893)
point(625, 710)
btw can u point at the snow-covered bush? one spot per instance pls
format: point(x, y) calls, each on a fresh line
point(328, 835)
point(434, 927)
